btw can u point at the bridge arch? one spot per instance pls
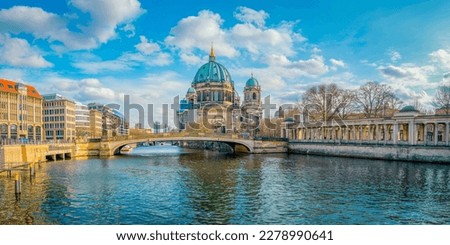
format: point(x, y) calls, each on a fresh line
point(236, 144)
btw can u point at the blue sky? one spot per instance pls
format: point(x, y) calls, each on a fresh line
point(99, 50)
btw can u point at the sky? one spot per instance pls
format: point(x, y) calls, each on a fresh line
point(101, 50)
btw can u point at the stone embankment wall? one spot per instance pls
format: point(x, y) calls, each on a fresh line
point(261, 147)
point(22, 153)
point(439, 154)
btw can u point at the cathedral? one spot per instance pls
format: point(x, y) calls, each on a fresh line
point(212, 103)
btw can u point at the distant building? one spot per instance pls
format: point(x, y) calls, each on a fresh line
point(95, 120)
point(20, 111)
point(82, 120)
point(59, 117)
point(113, 122)
point(157, 127)
point(123, 126)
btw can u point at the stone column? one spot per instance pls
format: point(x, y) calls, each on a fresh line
point(436, 133)
point(411, 133)
point(425, 134)
point(385, 133)
point(377, 133)
point(360, 132)
point(447, 131)
point(395, 136)
point(354, 132)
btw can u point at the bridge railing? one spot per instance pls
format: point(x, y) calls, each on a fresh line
point(59, 147)
point(178, 135)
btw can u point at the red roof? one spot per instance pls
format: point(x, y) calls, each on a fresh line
point(10, 87)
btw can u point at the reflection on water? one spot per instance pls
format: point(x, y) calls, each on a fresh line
point(170, 185)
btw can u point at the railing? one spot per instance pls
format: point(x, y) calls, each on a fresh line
point(178, 135)
point(33, 142)
point(369, 142)
point(60, 147)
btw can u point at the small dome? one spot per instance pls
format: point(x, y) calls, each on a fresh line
point(191, 90)
point(252, 82)
point(289, 119)
point(409, 108)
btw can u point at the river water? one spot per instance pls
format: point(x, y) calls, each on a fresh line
point(171, 185)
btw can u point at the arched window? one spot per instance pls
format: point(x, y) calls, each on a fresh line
point(254, 96)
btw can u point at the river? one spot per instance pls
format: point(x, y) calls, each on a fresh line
point(171, 185)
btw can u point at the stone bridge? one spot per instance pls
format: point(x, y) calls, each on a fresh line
point(113, 146)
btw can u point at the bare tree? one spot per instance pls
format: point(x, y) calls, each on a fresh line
point(346, 102)
point(442, 99)
point(327, 101)
point(375, 99)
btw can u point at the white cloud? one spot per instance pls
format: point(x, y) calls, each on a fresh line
point(394, 55)
point(312, 67)
point(84, 90)
point(345, 80)
point(407, 74)
point(197, 32)
point(105, 17)
point(130, 29)
point(411, 82)
point(442, 57)
point(18, 52)
point(191, 59)
point(43, 25)
point(148, 54)
point(258, 40)
point(94, 93)
point(336, 63)
point(91, 82)
point(13, 74)
point(248, 15)
point(96, 67)
point(146, 47)
point(282, 71)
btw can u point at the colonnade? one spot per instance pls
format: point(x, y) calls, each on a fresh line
point(434, 131)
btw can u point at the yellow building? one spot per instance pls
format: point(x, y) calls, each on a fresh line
point(20, 111)
point(95, 119)
point(59, 117)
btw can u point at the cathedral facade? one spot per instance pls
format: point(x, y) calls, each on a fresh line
point(212, 103)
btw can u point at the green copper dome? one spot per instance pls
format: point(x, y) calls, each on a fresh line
point(409, 108)
point(252, 82)
point(212, 72)
point(191, 90)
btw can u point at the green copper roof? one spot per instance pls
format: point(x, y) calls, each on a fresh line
point(252, 82)
point(212, 72)
point(408, 108)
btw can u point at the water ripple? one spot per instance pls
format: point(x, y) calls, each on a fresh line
point(169, 185)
